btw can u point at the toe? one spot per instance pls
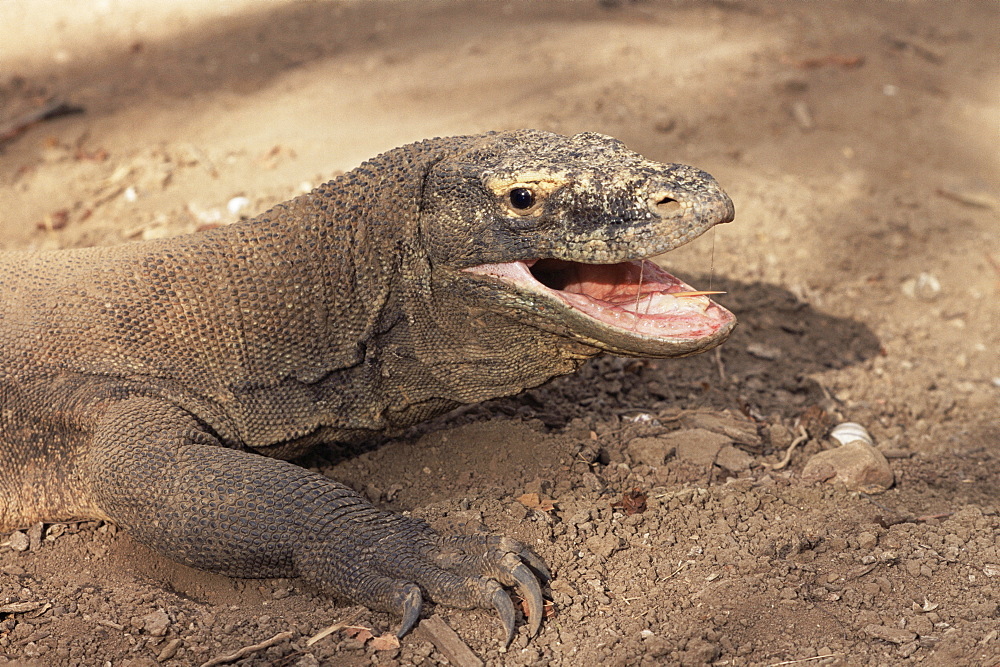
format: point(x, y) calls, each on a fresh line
point(412, 601)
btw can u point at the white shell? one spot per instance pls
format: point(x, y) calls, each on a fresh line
point(849, 432)
point(236, 205)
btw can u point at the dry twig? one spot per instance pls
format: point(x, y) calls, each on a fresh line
point(803, 436)
point(333, 628)
point(801, 660)
point(248, 650)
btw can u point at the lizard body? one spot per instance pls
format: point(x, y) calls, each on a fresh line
point(139, 383)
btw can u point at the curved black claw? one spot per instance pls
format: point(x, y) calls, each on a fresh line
point(527, 586)
point(411, 610)
point(504, 607)
point(536, 564)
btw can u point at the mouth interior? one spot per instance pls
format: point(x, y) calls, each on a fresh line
point(637, 296)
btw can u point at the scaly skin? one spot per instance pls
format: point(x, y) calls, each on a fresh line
point(139, 383)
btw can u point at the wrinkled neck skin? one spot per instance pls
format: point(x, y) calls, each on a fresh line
point(466, 353)
point(423, 346)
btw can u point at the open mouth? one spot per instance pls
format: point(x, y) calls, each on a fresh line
point(636, 297)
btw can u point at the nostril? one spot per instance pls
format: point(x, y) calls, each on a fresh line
point(667, 206)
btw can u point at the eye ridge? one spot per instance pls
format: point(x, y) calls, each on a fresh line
point(522, 198)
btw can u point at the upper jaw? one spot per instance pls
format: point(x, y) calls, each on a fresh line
point(670, 219)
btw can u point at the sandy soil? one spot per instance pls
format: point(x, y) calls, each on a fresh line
point(859, 142)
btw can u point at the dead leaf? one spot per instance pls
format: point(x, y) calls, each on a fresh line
point(386, 642)
point(548, 607)
point(534, 501)
point(633, 502)
point(358, 632)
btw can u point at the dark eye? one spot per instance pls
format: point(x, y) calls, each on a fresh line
point(522, 198)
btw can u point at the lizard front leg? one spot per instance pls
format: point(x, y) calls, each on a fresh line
point(160, 474)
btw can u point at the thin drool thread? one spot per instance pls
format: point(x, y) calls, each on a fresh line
point(638, 296)
point(711, 275)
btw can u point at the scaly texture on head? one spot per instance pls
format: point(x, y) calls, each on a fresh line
point(585, 198)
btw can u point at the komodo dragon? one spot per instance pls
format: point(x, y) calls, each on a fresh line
point(141, 383)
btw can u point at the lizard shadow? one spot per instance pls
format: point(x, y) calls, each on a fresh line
point(773, 364)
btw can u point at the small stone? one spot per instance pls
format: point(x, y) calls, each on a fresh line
point(18, 541)
point(699, 652)
point(765, 352)
point(170, 650)
point(733, 459)
point(925, 287)
point(603, 546)
point(857, 465)
point(591, 481)
point(651, 451)
point(890, 634)
point(921, 625)
point(867, 540)
point(35, 537)
point(156, 623)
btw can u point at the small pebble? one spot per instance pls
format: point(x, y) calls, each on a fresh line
point(733, 459)
point(18, 541)
point(170, 650)
point(857, 465)
point(762, 351)
point(925, 287)
point(156, 623)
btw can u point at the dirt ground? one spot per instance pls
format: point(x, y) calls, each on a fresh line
point(859, 141)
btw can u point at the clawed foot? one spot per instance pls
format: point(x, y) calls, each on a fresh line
point(390, 562)
point(477, 567)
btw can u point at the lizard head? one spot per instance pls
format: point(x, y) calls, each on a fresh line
point(559, 231)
